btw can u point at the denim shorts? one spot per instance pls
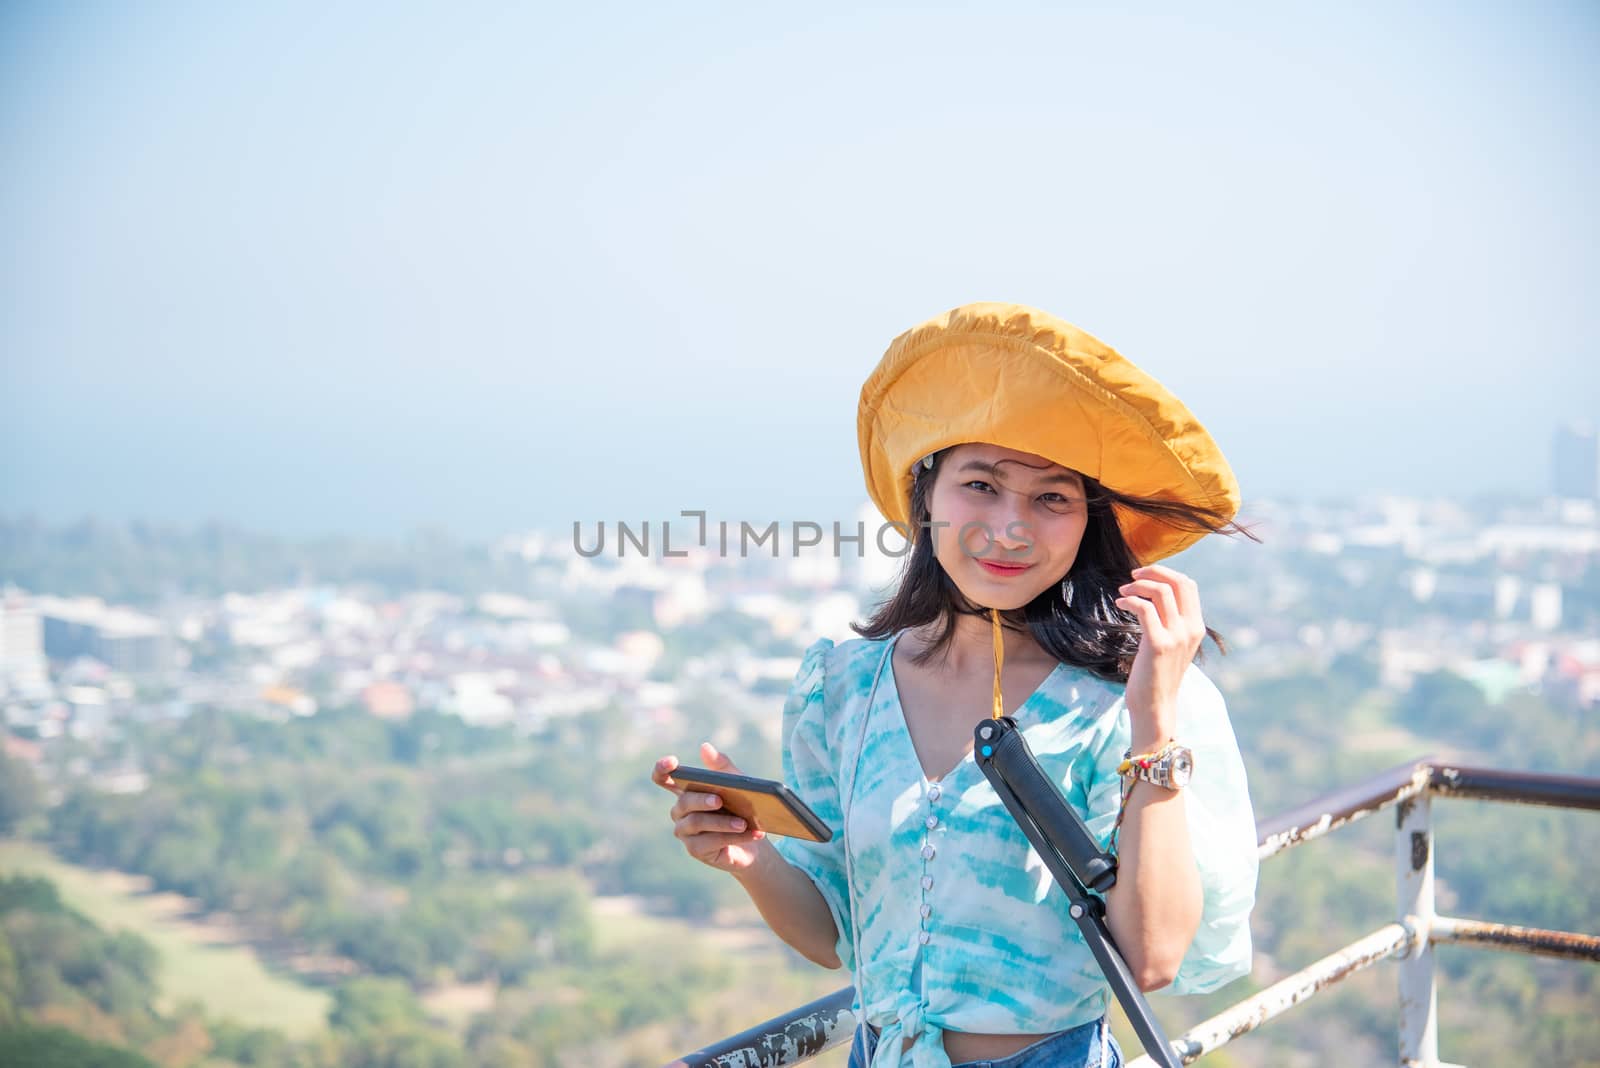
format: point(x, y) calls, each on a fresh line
point(1089, 1045)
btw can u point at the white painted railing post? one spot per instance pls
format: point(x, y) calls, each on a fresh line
point(1413, 857)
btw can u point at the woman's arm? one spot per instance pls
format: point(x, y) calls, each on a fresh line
point(791, 904)
point(1154, 909)
point(785, 896)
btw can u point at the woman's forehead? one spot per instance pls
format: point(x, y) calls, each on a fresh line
point(986, 453)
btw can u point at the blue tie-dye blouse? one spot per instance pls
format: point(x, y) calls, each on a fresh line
point(945, 912)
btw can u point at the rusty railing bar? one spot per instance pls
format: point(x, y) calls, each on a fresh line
point(1535, 940)
point(1387, 941)
point(797, 1035)
point(1517, 787)
point(1331, 811)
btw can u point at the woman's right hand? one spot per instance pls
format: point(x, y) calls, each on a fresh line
point(720, 839)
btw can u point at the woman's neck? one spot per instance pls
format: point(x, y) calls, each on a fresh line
point(971, 648)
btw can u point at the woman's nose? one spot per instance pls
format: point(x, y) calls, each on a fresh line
point(1014, 532)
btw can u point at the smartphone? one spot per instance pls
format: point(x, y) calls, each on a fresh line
point(770, 805)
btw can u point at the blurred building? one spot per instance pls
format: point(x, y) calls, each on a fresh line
point(1575, 462)
point(125, 640)
point(23, 669)
point(388, 700)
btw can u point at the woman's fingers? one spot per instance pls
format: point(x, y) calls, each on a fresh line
point(708, 847)
point(1185, 591)
point(1176, 598)
point(706, 833)
point(717, 761)
point(707, 838)
point(661, 774)
point(1149, 618)
point(1159, 594)
point(694, 801)
point(698, 823)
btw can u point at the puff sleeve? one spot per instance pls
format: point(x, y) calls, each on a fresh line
point(809, 769)
point(1222, 831)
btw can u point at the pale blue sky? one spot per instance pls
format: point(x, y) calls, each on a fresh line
point(486, 266)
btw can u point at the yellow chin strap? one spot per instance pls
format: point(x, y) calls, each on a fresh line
point(999, 660)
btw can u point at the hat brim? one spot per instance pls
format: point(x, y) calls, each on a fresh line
point(1017, 377)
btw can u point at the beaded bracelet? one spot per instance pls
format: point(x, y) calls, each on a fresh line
point(1144, 760)
point(1126, 789)
point(1126, 781)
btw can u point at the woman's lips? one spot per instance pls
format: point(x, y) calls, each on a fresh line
point(1001, 569)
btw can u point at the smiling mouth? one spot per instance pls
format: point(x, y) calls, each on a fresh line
point(1003, 569)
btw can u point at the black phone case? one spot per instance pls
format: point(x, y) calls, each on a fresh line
point(787, 797)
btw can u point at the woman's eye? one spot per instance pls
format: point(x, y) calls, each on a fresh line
point(1059, 498)
point(978, 482)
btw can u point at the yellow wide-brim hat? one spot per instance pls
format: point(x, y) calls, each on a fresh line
point(1014, 376)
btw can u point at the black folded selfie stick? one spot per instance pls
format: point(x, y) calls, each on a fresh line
point(1073, 857)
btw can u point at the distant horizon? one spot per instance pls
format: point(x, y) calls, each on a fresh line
point(1483, 498)
point(300, 526)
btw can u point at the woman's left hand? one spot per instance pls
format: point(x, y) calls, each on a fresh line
point(1167, 603)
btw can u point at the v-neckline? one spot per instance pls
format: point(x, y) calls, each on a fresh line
point(905, 727)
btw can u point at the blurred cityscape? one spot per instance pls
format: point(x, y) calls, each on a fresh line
point(1504, 593)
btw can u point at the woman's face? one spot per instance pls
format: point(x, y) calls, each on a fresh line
point(1034, 521)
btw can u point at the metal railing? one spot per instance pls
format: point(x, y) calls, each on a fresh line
point(830, 1021)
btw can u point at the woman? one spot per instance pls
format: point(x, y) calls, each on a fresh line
point(1038, 475)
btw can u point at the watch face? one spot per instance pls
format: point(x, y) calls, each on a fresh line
point(1182, 767)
